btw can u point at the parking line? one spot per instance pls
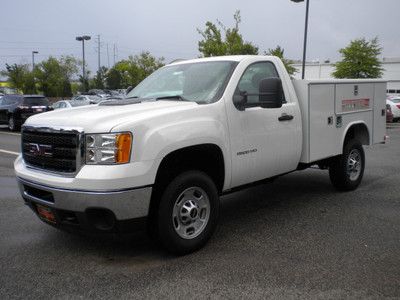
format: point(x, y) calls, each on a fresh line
point(10, 133)
point(9, 152)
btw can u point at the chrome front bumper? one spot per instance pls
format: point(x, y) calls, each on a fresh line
point(125, 204)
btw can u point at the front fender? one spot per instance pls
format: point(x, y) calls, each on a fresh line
point(160, 141)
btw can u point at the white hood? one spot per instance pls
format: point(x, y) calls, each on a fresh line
point(102, 118)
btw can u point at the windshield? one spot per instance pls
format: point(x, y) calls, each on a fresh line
point(198, 82)
point(36, 101)
point(395, 100)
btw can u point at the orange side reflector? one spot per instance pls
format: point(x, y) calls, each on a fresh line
point(124, 142)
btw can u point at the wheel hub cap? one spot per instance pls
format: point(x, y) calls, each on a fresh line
point(191, 213)
point(354, 164)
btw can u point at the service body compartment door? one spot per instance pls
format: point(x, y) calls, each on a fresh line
point(379, 129)
point(323, 133)
point(354, 97)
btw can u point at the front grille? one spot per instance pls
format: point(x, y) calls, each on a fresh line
point(57, 151)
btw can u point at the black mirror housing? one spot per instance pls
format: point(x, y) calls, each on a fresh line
point(271, 92)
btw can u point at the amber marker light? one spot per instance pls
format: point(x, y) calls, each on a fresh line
point(123, 145)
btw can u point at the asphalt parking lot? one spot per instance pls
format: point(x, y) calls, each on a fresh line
point(294, 238)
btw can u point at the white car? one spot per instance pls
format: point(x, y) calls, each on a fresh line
point(93, 99)
point(70, 103)
point(394, 103)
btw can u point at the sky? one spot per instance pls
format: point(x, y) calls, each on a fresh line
point(169, 28)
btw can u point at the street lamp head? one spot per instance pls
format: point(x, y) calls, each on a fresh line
point(79, 38)
point(86, 37)
point(35, 52)
point(297, 1)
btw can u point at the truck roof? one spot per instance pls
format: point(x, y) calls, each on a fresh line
point(236, 58)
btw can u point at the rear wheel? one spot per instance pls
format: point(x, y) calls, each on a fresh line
point(188, 212)
point(346, 171)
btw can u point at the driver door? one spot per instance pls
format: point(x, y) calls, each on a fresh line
point(262, 142)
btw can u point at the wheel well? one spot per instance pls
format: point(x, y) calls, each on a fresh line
point(358, 132)
point(205, 157)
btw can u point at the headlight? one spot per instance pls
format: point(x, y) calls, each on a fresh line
point(108, 148)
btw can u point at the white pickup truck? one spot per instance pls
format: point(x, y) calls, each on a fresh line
point(193, 131)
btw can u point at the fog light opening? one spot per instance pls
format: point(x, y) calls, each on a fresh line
point(101, 219)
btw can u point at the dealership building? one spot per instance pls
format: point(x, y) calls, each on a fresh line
point(324, 70)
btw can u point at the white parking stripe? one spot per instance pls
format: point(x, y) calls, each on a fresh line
point(9, 152)
point(10, 133)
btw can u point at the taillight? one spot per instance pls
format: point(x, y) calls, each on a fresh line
point(398, 105)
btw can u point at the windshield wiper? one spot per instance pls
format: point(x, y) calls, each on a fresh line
point(133, 97)
point(174, 97)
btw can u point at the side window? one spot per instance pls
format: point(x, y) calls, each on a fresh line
point(251, 78)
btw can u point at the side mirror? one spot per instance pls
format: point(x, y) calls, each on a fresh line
point(240, 100)
point(271, 92)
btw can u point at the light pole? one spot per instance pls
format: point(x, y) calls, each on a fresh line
point(33, 59)
point(82, 39)
point(305, 37)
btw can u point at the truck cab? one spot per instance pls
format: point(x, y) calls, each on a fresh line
point(193, 131)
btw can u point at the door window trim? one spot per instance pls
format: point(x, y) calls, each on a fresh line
point(284, 101)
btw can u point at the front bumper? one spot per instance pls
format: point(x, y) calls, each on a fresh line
point(123, 204)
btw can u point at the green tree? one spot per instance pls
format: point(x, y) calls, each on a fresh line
point(29, 84)
point(131, 71)
point(54, 75)
point(113, 79)
point(213, 43)
point(99, 80)
point(360, 60)
point(279, 52)
point(20, 78)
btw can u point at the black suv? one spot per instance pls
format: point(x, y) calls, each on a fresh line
point(15, 109)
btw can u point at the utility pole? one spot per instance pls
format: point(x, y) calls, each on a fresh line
point(83, 39)
point(98, 50)
point(303, 68)
point(108, 57)
point(114, 54)
point(33, 59)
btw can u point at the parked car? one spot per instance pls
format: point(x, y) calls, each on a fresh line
point(394, 103)
point(15, 109)
point(99, 93)
point(389, 114)
point(93, 99)
point(70, 103)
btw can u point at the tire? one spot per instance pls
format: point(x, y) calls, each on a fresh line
point(188, 212)
point(346, 171)
point(12, 125)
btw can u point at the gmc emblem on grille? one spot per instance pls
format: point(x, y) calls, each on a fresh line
point(40, 150)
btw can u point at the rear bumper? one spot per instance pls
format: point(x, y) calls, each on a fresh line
point(82, 207)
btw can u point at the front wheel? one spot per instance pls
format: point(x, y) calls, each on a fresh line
point(12, 125)
point(188, 212)
point(346, 171)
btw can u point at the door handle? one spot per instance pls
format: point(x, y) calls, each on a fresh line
point(285, 117)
